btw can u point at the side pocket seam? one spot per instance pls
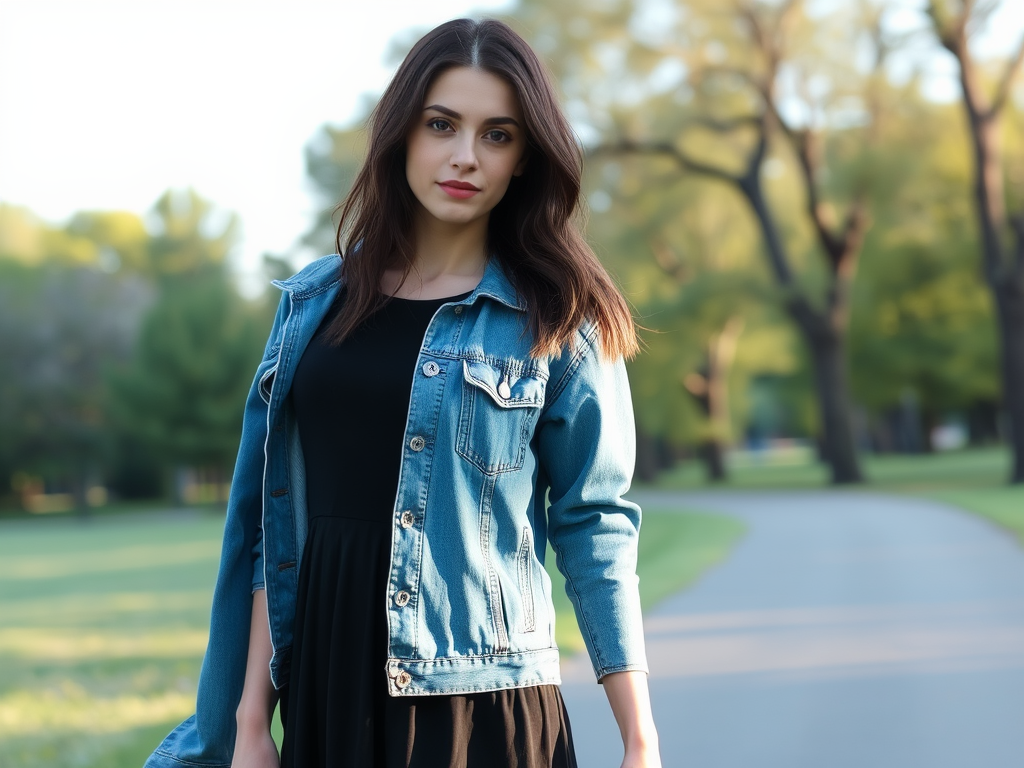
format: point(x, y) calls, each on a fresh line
point(526, 583)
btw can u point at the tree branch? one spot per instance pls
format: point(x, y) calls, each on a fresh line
point(951, 31)
point(684, 161)
point(1006, 83)
point(725, 126)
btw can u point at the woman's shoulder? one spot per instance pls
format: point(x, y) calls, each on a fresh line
point(316, 275)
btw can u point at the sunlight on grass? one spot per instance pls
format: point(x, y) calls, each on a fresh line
point(72, 708)
point(69, 645)
point(89, 609)
point(103, 625)
point(37, 566)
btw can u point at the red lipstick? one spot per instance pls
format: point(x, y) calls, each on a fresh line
point(459, 189)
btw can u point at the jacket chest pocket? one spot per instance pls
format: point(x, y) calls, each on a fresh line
point(499, 412)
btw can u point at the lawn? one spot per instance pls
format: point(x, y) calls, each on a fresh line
point(103, 624)
point(974, 480)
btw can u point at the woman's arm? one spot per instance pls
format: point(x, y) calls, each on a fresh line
point(254, 746)
point(630, 701)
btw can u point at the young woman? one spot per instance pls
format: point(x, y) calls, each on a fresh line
point(433, 408)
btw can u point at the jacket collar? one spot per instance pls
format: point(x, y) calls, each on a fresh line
point(324, 273)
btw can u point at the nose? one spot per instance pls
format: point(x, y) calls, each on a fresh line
point(464, 153)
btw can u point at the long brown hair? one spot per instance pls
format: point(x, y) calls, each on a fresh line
point(533, 229)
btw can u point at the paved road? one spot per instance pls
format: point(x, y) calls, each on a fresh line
point(846, 630)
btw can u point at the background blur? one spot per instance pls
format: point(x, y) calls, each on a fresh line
point(787, 192)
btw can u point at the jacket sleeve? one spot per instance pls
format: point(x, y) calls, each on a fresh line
point(260, 390)
point(587, 449)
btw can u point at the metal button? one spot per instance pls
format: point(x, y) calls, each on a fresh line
point(417, 443)
point(407, 519)
point(504, 391)
point(431, 368)
point(402, 598)
point(458, 310)
point(403, 679)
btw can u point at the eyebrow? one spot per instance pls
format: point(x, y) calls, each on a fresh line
point(456, 116)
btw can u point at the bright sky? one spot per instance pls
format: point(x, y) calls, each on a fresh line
point(104, 104)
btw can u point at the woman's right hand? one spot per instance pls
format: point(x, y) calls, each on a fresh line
point(255, 748)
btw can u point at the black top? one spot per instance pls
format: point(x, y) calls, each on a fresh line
point(351, 403)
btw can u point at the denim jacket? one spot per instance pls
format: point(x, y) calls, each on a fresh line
point(502, 453)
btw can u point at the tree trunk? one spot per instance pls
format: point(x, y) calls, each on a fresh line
point(825, 336)
point(828, 358)
point(1001, 273)
point(1009, 296)
point(646, 456)
point(710, 387)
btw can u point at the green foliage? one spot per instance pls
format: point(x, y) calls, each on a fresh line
point(60, 329)
point(183, 394)
point(189, 235)
point(922, 319)
point(122, 349)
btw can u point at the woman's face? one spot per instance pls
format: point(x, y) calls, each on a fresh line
point(465, 146)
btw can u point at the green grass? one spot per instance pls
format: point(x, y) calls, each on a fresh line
point(103, 624)
point(974, 480)
point(102, 630)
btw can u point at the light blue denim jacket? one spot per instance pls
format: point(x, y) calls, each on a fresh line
point(490, 432)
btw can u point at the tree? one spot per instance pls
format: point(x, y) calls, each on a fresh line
point(183, 393)
point(756, 82)
point(922, 340)
point(61, 328)
point(1002, 263)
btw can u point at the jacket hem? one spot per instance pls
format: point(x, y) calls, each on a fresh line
point(165, 760)
point(473, 674)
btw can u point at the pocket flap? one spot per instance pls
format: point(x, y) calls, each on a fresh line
point(523, 391)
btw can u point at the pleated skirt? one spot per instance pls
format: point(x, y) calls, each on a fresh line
point(336, 709)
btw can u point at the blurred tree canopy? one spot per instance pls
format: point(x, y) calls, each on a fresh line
point(125, 349)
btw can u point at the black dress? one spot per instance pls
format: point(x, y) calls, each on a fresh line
point(351, 403)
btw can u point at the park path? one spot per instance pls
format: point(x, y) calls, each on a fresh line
point(846, 630)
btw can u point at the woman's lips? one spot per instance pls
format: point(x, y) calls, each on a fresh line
point(459, 189)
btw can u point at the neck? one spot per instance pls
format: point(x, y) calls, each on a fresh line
point(449, 249)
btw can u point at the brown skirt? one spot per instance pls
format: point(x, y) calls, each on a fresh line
point(336, 710)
